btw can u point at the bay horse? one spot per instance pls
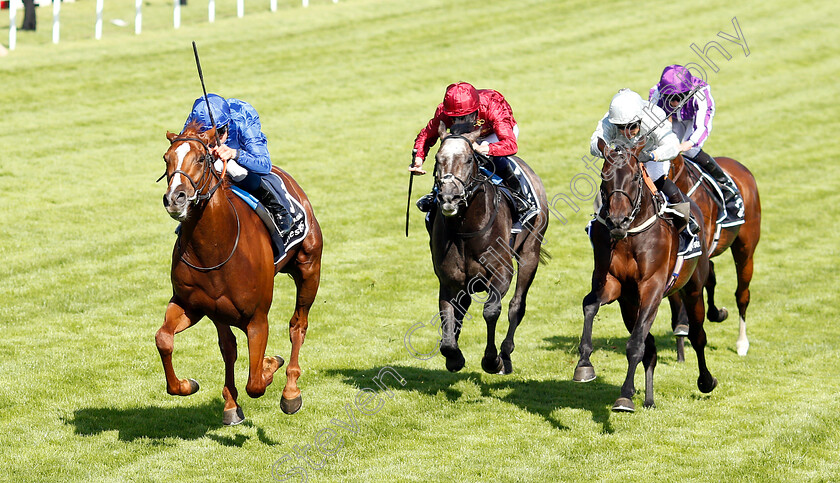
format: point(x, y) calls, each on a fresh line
point(741, 240)
point(635, 251)
point(473, 250)
point(223, 268)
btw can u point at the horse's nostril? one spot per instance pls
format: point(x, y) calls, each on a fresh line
point(165, 201)
point(180, 198)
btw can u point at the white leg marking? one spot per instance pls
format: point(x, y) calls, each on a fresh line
point(743, 345)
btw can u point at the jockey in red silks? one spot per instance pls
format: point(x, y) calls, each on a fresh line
point(688, 102)
point(486, 109)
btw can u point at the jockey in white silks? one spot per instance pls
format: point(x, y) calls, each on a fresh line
point(630, 115)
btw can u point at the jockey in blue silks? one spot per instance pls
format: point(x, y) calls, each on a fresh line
point(244, 147)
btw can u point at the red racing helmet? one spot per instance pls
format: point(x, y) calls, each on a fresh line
point(460, 99)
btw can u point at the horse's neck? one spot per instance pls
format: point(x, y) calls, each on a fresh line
point(208, 233)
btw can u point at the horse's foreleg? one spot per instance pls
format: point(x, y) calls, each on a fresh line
point(742, 252)
point(175, 320)
point(649, 362)
point(605, 289)
point(491, 362)
point(261, 369)
point(679, 323)
point(227, 345)
point(451, 328)
point(516, 308)
point(714, 314)
point(638, 319)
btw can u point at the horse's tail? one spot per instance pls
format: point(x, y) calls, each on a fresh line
point(545, 256)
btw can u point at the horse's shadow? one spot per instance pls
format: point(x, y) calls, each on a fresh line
point(159, 423)
point(541, 398)
point(665, 341)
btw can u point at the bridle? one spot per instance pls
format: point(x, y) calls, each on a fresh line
point(466, 190)
point(207, 173)
point(636, 203)
point(203, 182)
point(477, 182)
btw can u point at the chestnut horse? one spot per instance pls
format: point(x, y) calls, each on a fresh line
point(223, 268)
point(472, 249)
point(635, 253)
point(741, 240)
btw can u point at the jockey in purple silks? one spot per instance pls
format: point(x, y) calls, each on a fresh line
point(688, 102)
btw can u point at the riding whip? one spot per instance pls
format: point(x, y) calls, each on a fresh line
point(410, 184)
point(207, 101)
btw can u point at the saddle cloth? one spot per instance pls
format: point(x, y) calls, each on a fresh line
point(725, 219)
point(300, 225)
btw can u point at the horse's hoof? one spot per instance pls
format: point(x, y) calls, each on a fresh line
point(624, 405)
point(721, 315)
point(706, 387)
point(681, 330)
point(742, 347)
point(650, 405)
point(280, 361)
point(456, 364)
point(584, 374)
point(291, 406)
point(232, 417)
point(493, 366)
point(508, 369)
point(193, 386)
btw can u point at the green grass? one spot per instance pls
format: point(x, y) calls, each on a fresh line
point(342, 89)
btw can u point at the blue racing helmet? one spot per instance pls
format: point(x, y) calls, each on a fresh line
point(221, 112)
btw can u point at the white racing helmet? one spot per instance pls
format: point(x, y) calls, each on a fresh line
point(625, 107)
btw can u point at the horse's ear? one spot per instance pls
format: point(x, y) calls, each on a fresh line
point(442, 131)
point(170, 136)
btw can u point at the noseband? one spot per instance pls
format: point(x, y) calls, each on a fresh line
point(204, 180)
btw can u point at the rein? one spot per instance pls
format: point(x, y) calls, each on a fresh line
point(232, 250)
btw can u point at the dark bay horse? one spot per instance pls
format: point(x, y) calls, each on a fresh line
point(741, 240)
point(223, 268)
point(635, 253)
point(473, 250)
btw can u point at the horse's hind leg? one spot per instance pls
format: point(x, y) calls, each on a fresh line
point(227, 345)
point(693, 299)
point(713, 313)
point(176, 320)
point(307, 278)
point(743, 249)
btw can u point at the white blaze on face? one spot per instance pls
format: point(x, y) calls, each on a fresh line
point(181, 151)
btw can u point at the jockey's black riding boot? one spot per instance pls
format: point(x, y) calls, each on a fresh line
point(427, 202)
point(676, 200)
point(511, 181)
point(709, 165)
point(282, 218)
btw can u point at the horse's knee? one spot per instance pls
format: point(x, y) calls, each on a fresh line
point(165, 341)
point(492, 311)
point(255, 390)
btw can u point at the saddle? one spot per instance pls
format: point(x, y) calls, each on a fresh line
point(300, 226)
point(728, 216)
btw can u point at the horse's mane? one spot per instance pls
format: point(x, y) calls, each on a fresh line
point(193, 127)
point(462, 128)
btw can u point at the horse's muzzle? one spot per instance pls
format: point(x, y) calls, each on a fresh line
point(176, 204)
